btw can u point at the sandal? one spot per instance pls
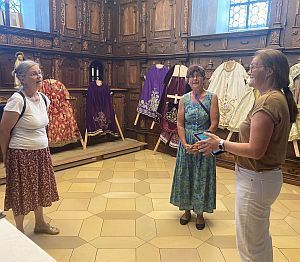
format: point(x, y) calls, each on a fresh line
point(183, 220)
point(46, 229)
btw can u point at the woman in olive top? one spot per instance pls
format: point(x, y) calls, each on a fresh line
point(260, 152)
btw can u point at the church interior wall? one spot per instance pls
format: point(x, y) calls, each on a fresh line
point(128, 36)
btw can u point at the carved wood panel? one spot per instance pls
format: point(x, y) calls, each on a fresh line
point(70, 73)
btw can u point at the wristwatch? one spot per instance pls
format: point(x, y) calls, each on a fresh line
point(221, 145)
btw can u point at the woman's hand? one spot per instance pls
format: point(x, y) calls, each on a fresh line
point(208, 145)
point(191, 149)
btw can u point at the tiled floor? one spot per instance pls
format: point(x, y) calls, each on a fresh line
point(118, 210)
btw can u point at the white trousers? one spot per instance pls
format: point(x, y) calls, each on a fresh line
point(255, 193)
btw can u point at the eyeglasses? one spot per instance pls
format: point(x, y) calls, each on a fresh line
point(36, 74)
point(253, 67)
point(193, 76)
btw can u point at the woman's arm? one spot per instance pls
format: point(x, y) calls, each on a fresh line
point(261, 130)
point(180, 123)
point(8, 121)
point(214, 114)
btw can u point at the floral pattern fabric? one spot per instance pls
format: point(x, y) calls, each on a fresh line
point(194, 181)
point(62, 128)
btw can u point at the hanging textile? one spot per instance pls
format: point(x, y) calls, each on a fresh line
point(175, 85)
point(295, 88)
point(100, 113)
point(235, 97)
point(62, 128)
point(152, 91)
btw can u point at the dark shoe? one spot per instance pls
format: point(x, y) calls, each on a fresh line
point(184, 221)
point(200, 226)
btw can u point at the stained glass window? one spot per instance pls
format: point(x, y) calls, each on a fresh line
point(248, 14)
point(14, 5)
point(2, 6)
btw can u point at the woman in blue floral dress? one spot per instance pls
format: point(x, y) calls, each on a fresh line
point(194, 182)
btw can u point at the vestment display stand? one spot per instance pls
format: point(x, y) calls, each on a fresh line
point(99, 83)
point(176, 98)
point(159, 66)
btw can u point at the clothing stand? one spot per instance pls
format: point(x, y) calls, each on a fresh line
point(176, 98)
point(99, 83)
point(229, 136)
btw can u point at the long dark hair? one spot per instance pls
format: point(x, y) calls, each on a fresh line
point(278, 62)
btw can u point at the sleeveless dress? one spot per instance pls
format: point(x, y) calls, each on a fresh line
point(194, 181)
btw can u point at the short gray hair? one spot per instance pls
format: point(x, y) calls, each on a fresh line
point(23, 68)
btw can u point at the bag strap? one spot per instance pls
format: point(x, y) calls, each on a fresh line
point(203, 106)
point(24, 104)
point(44, 98)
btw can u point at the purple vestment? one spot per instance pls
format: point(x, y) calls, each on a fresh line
point(152, 91)
point(100, 113)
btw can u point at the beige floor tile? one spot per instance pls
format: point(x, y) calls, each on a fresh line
point(222, 242)
point(120, 214)
point(63, 187)
point(279, 211)
point(124, 169)
point(222, 190)
point(122, 188)
point(221, 206)
point(79, 187)
point(293, 223)
point(145, 228)
point(160, 188)
point(279, 256)
point(295, 214)
point(221, 227)
point(163, 204)
point(231, 255)
point(115, 255)
point(106, 174)
point(157, 169)
point(78, 195)
point(231, 188)
point(97, 204)
point(95, 164)
point(74, 204)
point(85, 252)
point(141, 174)
point(53, 207)
point(285, 189)
point(124, 164)
point(292, 205)
point(123, 180)
point(147, 253)
point(121, 195)
point(203, 235)
point(57, 242)
point(158, 174)
point(68, 227)
point(281, 228)
point(120, 204)
point(123, 174)
point(102, 188)
point(159, 180)
point(158, 195)
point(179, 255)
point(69, 215)
point(91, 228)
point(88, 174)
point(155, 164)
point(144, 204)
point(165, 214)
point(140, 164)
point(117, 242)
point(210, 253)
point(171, 227)
point(69, 174)
point(176, 242)
point(229, 203)
point(142, 188)
point(118, 228)
point(291, 254)
point(286, 241)
point(61, 255)
point(288, 196)
point(109, 164)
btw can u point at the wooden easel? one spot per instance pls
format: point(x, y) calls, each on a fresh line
point(86, 133)
point(176, 98)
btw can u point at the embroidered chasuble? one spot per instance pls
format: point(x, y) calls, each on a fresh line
point(235, 97)
point(62, 128)
point(295, 88)
point(175, 85)
point(100, 113)
point(152, 91)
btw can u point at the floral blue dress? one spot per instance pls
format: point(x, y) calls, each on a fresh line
point(194, 181)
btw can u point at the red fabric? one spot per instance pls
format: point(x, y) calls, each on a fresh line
point(62, 128)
